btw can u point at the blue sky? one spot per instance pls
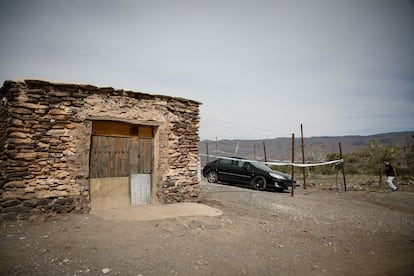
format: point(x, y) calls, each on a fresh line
point(260, 68)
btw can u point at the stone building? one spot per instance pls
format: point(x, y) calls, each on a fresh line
point(72, 147)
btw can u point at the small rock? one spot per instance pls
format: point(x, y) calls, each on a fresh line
point(106, 270)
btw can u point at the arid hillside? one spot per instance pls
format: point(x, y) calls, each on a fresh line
point(316, 148)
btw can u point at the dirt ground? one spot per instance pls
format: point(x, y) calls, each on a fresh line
point(319, 231)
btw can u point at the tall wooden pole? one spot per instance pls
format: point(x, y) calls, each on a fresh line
point(380, 179)
point(293, 161)
point(254, 152)
point(216, 146)
point(303, 158)
point(264, 149)
point(237, 148)
point(343, 165)
point(208, 160)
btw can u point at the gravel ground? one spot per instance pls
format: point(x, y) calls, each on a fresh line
point(316, 232)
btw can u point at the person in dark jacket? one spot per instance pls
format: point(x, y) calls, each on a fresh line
point(390, 172)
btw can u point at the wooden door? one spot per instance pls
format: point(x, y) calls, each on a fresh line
point(109, 172)
point(109, 156)
point(120, 171)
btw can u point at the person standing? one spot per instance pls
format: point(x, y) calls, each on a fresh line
point(390, 172)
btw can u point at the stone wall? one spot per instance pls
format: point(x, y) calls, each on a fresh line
point(45, 144)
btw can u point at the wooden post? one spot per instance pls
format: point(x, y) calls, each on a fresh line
point(382, 168)
point(208, 160)
point(343, 165)
point(254, 152)
point(303, 158)
point(216, 146)
point(237, 148)
point(293, 161)
point(380, 178)
point(264, 150)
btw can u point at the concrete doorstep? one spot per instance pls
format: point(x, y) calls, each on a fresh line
point(156, 212)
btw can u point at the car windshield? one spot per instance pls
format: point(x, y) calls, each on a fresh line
point(261, 166)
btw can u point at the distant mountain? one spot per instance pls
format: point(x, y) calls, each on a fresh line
point(316, 148)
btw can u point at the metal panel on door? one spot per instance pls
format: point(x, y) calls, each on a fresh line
point(140, 188)
point(140, 170)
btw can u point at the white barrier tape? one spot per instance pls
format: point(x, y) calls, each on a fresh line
point(339, 161)
point(277, 163)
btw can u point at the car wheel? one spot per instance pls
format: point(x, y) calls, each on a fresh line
point(212, 177)
point(259, 183)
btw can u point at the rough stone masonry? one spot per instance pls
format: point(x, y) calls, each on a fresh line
point(45, 137)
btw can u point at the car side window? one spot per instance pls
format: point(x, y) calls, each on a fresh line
point(239, 164)
point(224, 163)
point(246, 165)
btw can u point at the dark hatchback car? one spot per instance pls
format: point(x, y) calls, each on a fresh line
point(256, 175)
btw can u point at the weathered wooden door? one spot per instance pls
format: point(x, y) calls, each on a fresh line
point(120, 171)
point(109, 156)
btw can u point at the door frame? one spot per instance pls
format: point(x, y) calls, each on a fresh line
point(154, 175)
